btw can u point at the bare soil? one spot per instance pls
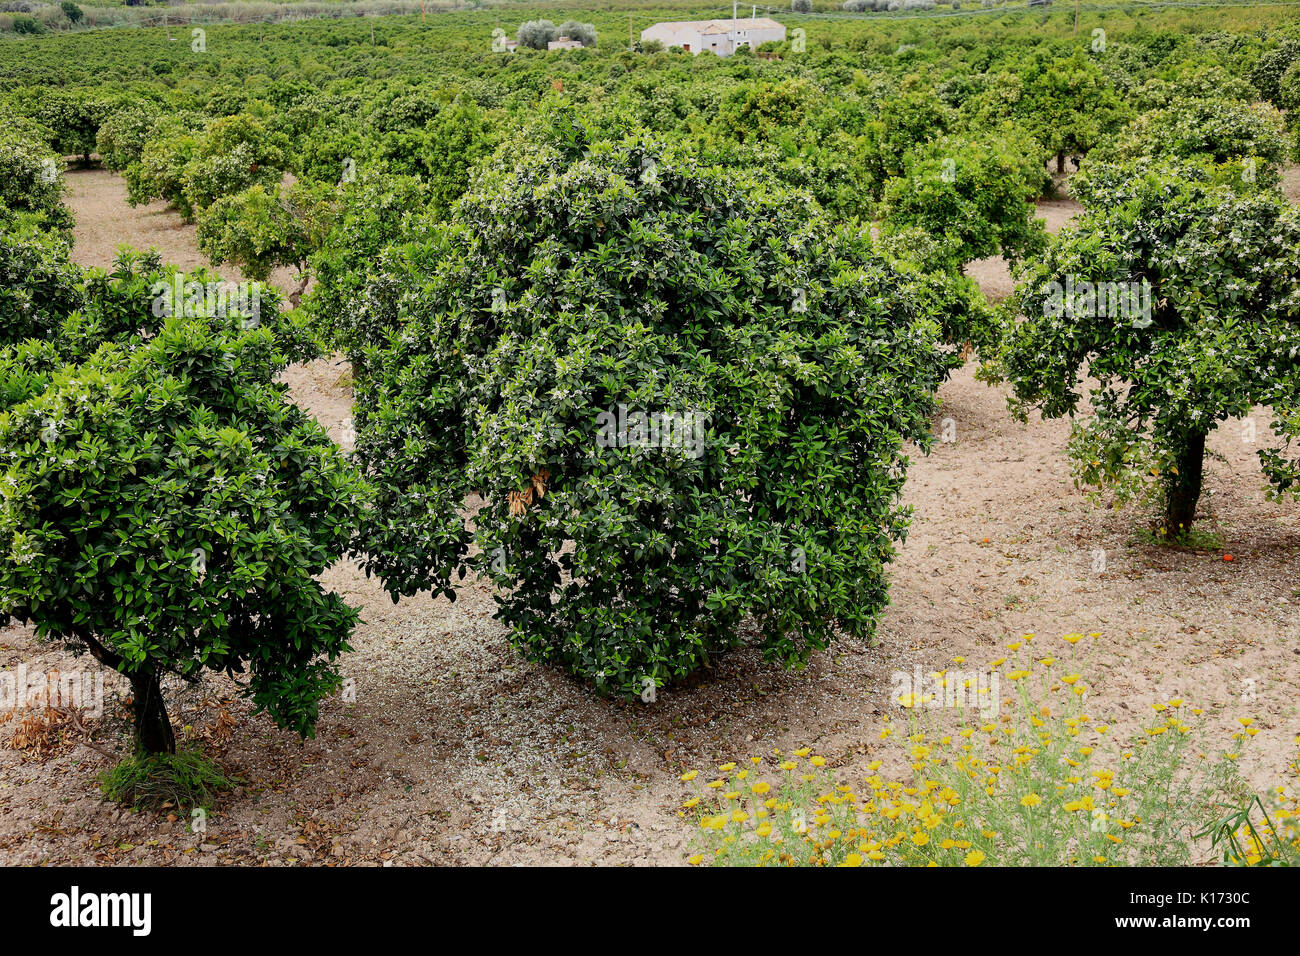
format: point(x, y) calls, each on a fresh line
point(451, 748)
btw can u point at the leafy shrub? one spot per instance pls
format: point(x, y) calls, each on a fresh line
point(164, 507)
point(121, 138)
point(192, 167)
point(573, 285)
point(30, 181)
point(1288, 99)
point(906, 122)
point(1250, 137)
point(762, 110)
point(235, 152)
point(975, 195)
point(263, 228)
point(1289, 88)
point(1200, 83)
point(159, 173)
point(28, 26)
point(455, 141)
point(584, 33)
point(26, 370)
point(72, 116)
point(38, 286)
point(951, 298)
point(1272, 66)
point(1067, 104)
point(1045, 785)
point(374, 213)
point(330, 153)
point(1180, 298)
point(536, 34)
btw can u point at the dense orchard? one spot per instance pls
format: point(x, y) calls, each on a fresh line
point(643, 337)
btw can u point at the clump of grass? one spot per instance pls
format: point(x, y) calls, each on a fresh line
point(1043, 783)
point(1192, 539)
point(184, 780)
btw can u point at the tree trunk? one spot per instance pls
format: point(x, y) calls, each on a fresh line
point(1183, 490)
point(153, 730)
point(1060, 162)
point(295, 297)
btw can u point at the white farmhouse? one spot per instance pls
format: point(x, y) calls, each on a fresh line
point(716, 36)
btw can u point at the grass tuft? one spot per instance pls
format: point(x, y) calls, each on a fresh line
point(183, 780)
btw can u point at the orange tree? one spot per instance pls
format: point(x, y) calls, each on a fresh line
point(681, 399)
point(1181, 298)
point(164, 507)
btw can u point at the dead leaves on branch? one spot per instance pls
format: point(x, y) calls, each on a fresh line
point(520, 501)
point(46, 723)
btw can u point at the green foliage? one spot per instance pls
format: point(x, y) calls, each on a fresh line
point(262, 228)
point(1065, 103)
point(954, 300)
point(28, 26)
point(1272, 66)
point(72, 116)
point(1289, 88)
point(160, 171)
point(1250, 836)
point(38, 286)
point(26, 369)
point(1246, 140)
point(330, 152)
point(536, 34)
point(1212, 333)
point(186, 780)
point(121, 138)
point(192, 167)
point(375, 212)
point(1198, 83)
point(456, 140)
point(761, 110)
point(905, 123)
point(234, 153)
point(386, 134)
point(165, 506)
point(975, 196)
point(580, 279)
point(30, 179)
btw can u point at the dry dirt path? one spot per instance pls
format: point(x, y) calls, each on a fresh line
point(455, 750)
